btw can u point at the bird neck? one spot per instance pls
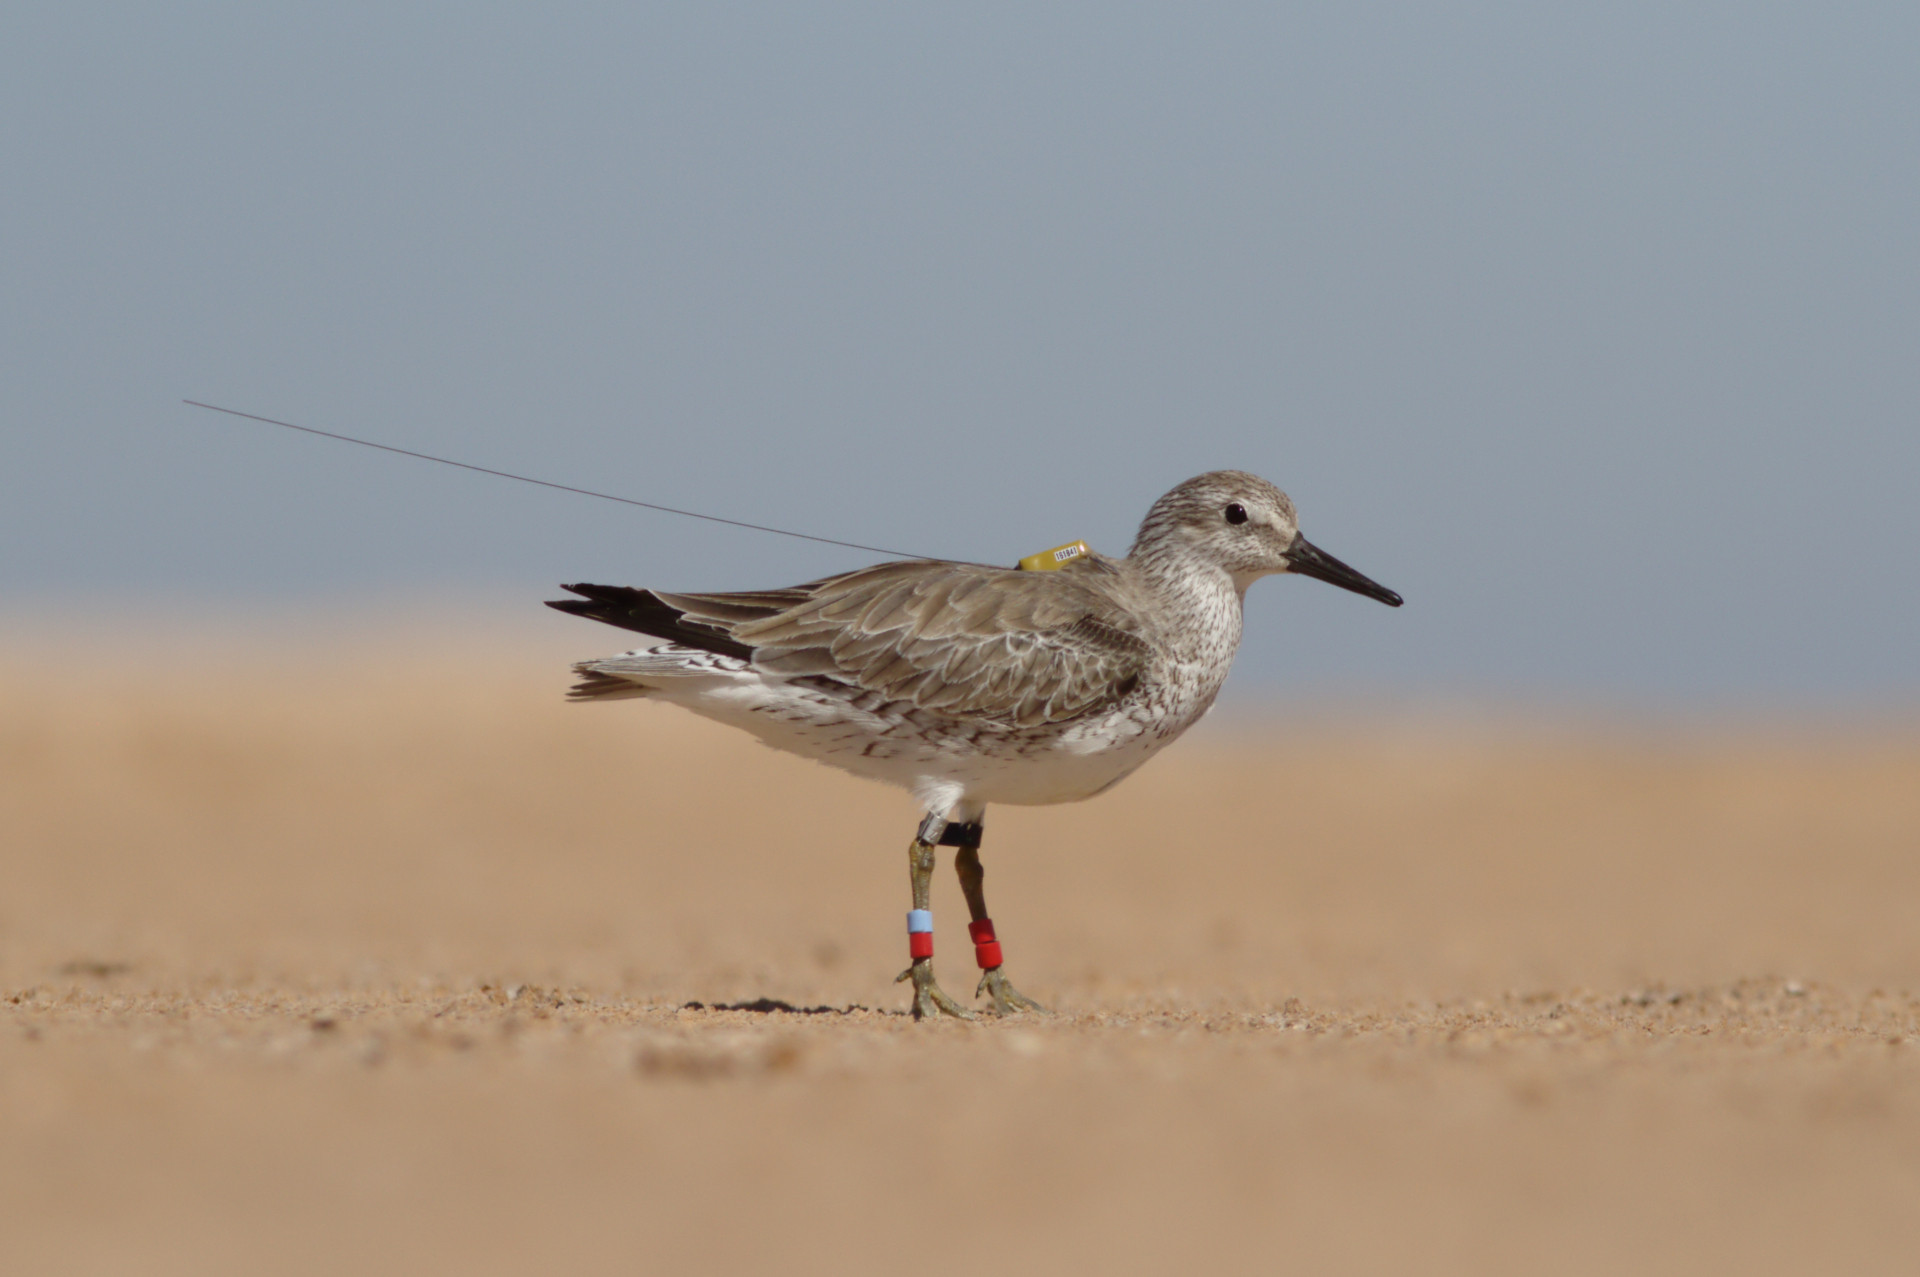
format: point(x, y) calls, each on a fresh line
point(1202, 594)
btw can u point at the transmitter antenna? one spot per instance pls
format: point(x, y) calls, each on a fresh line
point(564, 487)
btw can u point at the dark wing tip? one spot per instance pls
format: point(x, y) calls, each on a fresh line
point(595, 601)
point(645, 612)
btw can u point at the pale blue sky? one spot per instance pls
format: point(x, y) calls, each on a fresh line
point(1594, 330)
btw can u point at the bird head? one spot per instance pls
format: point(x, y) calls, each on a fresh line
point(1243, 525)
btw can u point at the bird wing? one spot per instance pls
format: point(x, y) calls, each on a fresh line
point(967, 641)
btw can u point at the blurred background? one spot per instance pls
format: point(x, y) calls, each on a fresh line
point(1591, 330)
point(1579, 927)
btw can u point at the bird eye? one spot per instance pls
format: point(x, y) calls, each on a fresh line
point(1236, 513)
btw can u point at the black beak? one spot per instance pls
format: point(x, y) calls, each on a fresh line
point(1308, 559)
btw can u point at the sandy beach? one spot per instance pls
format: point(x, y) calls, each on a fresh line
point(361, 958)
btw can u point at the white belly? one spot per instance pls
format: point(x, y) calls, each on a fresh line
point(941, 763)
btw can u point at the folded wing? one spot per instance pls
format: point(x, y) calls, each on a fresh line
point(1016, 649)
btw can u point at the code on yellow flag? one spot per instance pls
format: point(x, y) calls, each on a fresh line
point(1058, 556)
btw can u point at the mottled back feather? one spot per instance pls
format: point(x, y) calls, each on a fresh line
point(972, 642)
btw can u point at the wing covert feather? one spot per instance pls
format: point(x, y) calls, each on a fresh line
point(1014, 648)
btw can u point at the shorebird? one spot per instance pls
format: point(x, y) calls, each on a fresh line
point(968, 684)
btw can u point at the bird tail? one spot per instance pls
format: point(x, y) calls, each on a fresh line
point(595, 685)
point(653, 669)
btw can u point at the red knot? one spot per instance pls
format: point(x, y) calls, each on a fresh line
point(968, 684)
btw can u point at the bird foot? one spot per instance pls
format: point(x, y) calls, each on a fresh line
point(929, 998)
point(1007, 1000)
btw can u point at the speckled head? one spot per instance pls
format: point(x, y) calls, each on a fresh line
point(1245, 526)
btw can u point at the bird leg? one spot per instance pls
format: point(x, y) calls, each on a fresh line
point(928, 997)
point(986, 948)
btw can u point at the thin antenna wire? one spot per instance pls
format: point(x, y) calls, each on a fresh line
point(585, 492)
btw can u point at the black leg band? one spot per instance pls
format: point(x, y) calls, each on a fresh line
point(962, 835)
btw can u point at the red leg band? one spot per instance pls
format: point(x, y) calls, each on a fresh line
point(920, 944)
point(986, 949)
